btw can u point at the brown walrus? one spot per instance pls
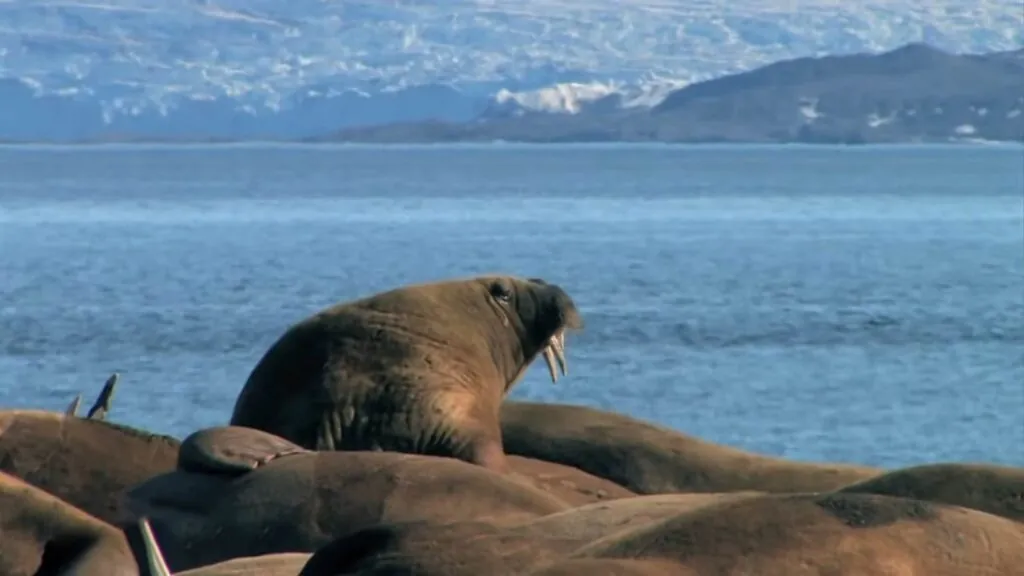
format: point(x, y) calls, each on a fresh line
point(484, 547)
point(236, 495)
point(817, 534)
point(418, 369)
point(650, 459)
point(236, 449)
point(87, 462)
point(42, 534)
point(768, 535)
point(990, 488)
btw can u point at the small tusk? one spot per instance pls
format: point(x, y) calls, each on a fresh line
point(558, 345)
point(72, 409)
point(157, 564)
point(549, 357)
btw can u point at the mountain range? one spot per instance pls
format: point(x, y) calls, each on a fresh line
point(915, 93)
point(234, 69)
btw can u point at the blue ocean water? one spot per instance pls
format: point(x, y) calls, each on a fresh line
point(855, 304)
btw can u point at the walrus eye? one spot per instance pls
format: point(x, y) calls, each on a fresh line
point(501, 292)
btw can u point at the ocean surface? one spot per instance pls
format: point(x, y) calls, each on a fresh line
point(849, 304)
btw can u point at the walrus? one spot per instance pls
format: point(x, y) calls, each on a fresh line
point(650, 459)
point(990, 488)
point(478, 546)
point(235, 450)
point(243, 492)
point(802, 534)
point(42, 534)
point(815, 534)
point(419, 369)
point(88, 462)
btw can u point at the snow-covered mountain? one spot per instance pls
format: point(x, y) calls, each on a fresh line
point(239, 68)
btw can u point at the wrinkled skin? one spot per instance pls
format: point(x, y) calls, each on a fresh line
point(85, 461)
point(650, 459)
point(419, 369)
point(765, 534)
point(990, 488)
point(41, 534)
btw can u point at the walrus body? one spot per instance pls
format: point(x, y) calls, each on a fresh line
point(476, 546)
point(990, 488)
point(278, 498)
point(767, 534)
point(86, 462)
point(818, 534)
point(649, 459)
point(234, 450)
point(420, 369)
point(42, 534)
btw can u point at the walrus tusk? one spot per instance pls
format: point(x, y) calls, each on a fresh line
point(157, 564)
point(72, 409)
point(558, 343)
point(101, 407)
point(554, 353)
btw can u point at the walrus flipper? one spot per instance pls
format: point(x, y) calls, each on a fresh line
point(232, 450)
point(72, 409)
point(101, 407)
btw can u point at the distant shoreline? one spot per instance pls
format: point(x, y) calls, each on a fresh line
point(271, 143)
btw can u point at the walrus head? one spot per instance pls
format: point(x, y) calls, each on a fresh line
point(515, 318)
point(540, 313)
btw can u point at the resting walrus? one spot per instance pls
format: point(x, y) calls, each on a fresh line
point(991, 488)
point(801, 534)
point(240, 492)
point(86, 461)
point(42, 534)
point(420, 369)
point(651, 459)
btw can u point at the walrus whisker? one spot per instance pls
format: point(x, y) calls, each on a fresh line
point(154, 557)
point(72, 409)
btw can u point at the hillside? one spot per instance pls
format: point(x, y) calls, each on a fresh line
point(915, 93)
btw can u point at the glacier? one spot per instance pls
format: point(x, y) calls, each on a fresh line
point(267, 68)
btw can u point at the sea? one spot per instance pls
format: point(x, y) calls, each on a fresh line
point(856, 304)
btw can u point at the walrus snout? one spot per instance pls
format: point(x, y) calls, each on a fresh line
point(556, 305)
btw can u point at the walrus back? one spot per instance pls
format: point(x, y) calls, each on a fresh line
point(350, 378)
point(281, 391)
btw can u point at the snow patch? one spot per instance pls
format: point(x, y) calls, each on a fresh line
point(874, 120)
point(1013, 113)
point(809, 109)
point(573, 97)
point(567, 98)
